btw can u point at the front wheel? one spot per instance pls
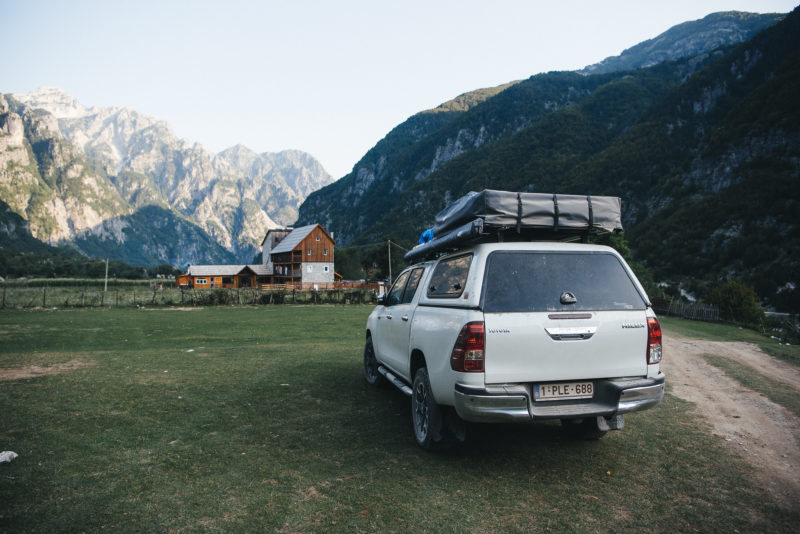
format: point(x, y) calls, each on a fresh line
point(371, 374)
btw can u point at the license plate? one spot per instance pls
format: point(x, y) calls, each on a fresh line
point(563, 390)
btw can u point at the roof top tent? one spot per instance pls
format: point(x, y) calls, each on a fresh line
point(492, 215)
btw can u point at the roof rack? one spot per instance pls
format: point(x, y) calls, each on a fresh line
point(492, 216)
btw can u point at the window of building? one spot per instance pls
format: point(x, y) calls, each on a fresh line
point(325, 268)
point(317, 238)
point(201, 281)
point(309, 252)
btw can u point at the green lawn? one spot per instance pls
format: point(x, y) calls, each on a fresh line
point(258, 419)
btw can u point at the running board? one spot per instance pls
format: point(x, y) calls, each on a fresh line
point(399, 384)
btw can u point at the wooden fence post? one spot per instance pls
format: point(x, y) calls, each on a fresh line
point(44, 296)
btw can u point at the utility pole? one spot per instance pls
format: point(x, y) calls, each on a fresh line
point(389, 246)
point(105, 286)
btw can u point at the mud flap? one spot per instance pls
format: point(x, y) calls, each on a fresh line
point(615, 422)
point(456, 427)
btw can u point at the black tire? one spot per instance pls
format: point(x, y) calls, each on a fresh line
point(586, 429)
point(426, 415)
point(371, 374)
point(435, 427)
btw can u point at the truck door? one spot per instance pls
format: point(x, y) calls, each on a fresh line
point(394, 324)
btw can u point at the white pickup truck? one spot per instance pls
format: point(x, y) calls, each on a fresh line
point(517, 332)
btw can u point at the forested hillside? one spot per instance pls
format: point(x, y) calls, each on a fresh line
point(704, 152)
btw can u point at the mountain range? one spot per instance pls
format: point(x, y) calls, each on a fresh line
point(698, 133)
point(114, 182)
point(697, 130)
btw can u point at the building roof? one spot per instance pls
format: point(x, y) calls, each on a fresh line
point(227, 270)
point(275, 231)
point(215, 270)
point(260, 270)
point(292, 240)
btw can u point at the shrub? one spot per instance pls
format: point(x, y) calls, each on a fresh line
point(738, 302)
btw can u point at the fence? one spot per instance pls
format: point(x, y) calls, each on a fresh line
point(687, 310)
point(71, 297)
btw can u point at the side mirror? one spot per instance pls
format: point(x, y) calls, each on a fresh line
point(382, 300)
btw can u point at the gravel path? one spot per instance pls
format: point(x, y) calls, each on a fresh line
point(762, 433)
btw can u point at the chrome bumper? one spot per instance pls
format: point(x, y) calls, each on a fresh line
point(515, 403)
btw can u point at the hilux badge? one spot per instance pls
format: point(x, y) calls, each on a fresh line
point(632, 325)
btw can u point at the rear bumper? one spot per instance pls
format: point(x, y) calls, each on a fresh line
point(515, 403)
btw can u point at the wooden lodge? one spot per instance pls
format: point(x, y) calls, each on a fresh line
point(227, 276)
point(299, 258)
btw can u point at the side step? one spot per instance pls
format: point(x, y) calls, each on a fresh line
point(399, 384)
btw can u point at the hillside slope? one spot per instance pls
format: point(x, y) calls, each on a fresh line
point(689, 39)
point(704, 152)
point(419, 146)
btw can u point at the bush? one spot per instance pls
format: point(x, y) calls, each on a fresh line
point(738, 303)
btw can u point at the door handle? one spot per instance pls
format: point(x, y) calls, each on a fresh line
point(388, 316)
point(405, 318)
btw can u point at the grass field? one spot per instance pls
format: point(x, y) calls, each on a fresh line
point(258, 419)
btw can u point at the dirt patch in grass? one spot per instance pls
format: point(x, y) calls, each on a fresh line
point(761, 432)
point(32, 371)
point(180, 308)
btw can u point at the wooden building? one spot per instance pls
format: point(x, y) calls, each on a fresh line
point(227, 276)
point(300, 258)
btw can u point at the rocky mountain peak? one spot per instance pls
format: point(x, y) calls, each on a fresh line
point(58, 102)
point(97, 168)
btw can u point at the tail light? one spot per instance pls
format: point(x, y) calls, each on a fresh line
point(653, 341)
point(467, 355)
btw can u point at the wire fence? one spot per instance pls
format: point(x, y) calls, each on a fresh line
point(76, 297)
point(688, 310)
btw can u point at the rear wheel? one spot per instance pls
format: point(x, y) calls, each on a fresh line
point(435, 427)
point(425, 413)
point(588, 428)
point(371, 374)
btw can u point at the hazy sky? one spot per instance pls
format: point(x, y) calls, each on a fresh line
point(331, 78)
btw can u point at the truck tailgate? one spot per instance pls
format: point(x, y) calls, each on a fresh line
point(546, 346)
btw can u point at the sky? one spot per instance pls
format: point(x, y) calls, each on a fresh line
point(327, 77)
